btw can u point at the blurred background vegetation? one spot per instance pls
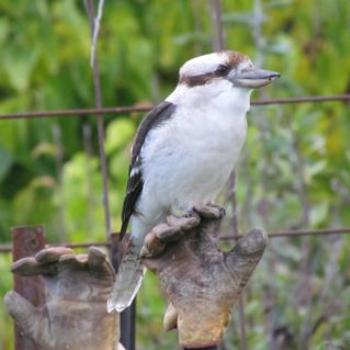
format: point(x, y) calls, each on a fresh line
point(294, 172)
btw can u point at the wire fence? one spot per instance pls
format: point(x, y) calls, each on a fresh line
point(7, 248)
point(82, 112)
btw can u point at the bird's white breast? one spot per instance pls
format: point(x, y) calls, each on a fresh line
point(188, 159)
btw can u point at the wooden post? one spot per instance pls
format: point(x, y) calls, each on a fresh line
point(27, 241)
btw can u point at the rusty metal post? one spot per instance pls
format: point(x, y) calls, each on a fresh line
point(27, 241)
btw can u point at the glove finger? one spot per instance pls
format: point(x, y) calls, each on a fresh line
point(97, 261)
point(175, 227)
point(41, 264)
point(22, 311)
point(152, 246)
point(211, 216)
point(173, 230)
point(184, 223)
point(166, 232)
point(96, 257)
point(156, 241)
point(52, 254)
point(210, 211)
point(29, 267)
point(73, 262)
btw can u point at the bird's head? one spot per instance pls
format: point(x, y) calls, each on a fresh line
point(225, 66)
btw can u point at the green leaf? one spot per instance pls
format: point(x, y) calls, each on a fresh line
point(5, 162)
point(319, 213)
point(18, 64)
point(119, 134)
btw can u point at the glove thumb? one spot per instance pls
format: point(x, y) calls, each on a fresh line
point(23, 312)
point(243, 258)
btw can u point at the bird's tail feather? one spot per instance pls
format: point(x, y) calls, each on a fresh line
point(128, 281)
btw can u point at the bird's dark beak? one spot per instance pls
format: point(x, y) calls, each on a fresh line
point(254, 78)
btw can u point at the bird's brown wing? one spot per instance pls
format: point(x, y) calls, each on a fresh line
point(159, 114)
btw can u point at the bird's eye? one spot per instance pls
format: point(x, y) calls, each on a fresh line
point(222, 70)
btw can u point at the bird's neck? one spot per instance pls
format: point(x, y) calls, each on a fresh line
point(216, 95)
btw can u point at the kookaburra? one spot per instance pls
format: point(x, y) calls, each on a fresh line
point(184, 151)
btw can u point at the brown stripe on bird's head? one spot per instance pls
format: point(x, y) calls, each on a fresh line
point(233, 59)
point(196, 80)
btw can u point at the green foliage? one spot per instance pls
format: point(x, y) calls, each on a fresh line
point(293, 174)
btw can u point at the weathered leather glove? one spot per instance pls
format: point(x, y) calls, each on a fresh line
point(77, 288)
point(201, 282)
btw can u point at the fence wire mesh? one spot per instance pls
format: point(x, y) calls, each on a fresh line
point(100, 112)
